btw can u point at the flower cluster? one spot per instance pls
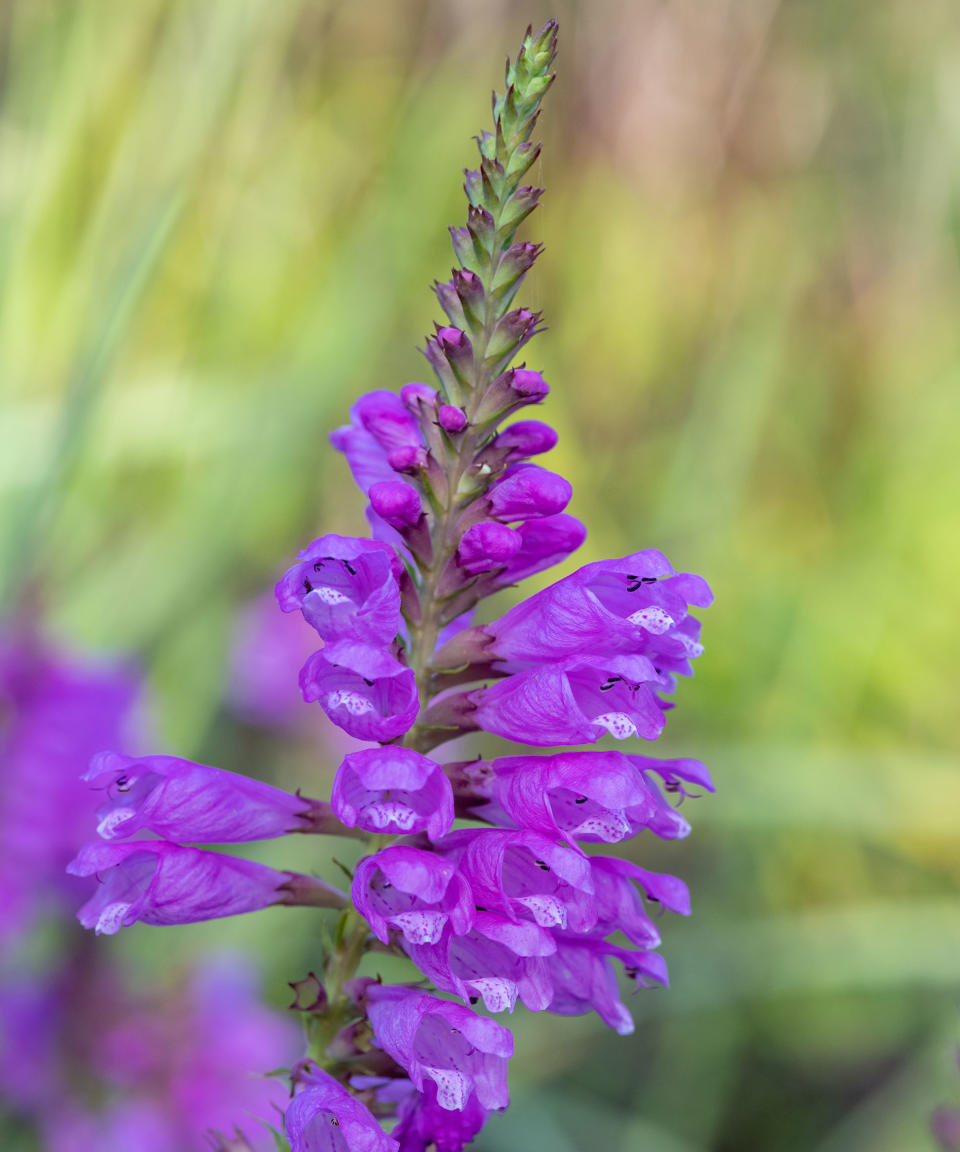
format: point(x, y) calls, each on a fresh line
point(84, 1060)
point(510, 906)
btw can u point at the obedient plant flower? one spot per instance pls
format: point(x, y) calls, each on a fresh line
point(423, 1124)
point(156, 882)
point(191, 803)
point(462, 1053)
point(324, 1117)
point(524, 905)
point(416, 892)
point(393, 790)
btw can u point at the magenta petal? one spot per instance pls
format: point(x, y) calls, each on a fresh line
point(324, 1117)
point(576, 795)
point(573, 702)
point(365, 692)
point(424, 1125)
point(416, 892)
point(393, 790)
point(444, 1042)
point(527, 491)
point(188, 803)
point(544, 543)
point(347, 589)
point(156, 882)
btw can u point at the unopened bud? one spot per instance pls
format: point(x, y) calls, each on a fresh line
point(452, 419)
point(397, 503)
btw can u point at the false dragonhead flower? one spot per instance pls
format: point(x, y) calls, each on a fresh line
point(511, 908)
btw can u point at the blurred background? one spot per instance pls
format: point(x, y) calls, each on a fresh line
point(218, 223)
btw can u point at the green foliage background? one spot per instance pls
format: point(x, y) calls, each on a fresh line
point(218, 224)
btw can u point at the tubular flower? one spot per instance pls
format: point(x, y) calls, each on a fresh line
point(512, 908)
point(188, 803)
point(156, 882)
point(393, 790)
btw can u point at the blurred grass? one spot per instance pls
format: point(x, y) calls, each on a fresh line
point(218, 222)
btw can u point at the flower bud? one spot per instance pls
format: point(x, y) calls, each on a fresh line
point(397, 503)
point(510, 335)
point(525, 438)
point(527, 491)
point(451, 356)
point(512, 390)
point(416, 394)
point(487, 545)
point(407, 459)
point(452, 419)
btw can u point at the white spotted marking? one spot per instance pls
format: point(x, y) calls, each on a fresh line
point(611, 826)
point(421, 927)
point(498, 993)
point(354, 703)
point(546, 910)
point(384, 813)
point(110, 919)
point(618, 724)
point(453, 1087)
point(109, 824)
point(654, 619)
point(329, 595)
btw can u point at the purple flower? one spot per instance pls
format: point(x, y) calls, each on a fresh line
point(324, 1117)
point(396, 503)
point(393, 790)
point(620, 908)
point(416, 892)
point(575, 701)
point(187, 802)
point(665, 821)
point(451, 418)
point(512, 390)
point(527, 492)
point(160, 883)
point(636, 605)
point(523, 439)
point(58, 711)
point(364, 691)
point(424, 1125)
point(543, 543)
point(346, 588)
point(525, 875)
point(584, 979)
point(574, 795)
point(463, 1054)
point(488, 544)
point(675, 772)
point(382, 429)
point(499, 960)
